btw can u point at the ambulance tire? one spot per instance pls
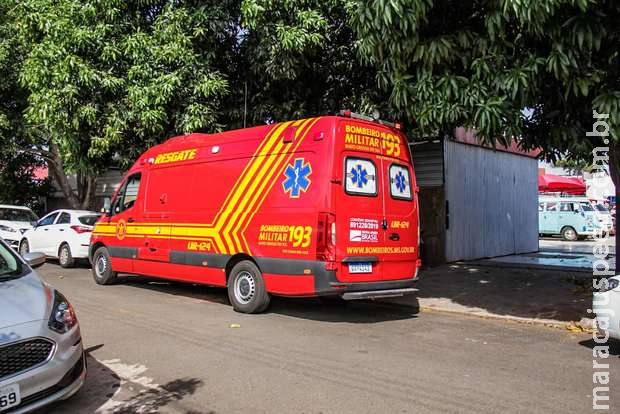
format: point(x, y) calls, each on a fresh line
point(246, 288)
point(102, 267)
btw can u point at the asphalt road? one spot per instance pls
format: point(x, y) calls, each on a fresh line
point(156, 346)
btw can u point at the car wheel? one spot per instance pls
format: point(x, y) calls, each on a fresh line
point(24, 247)
point(246, 288)
point(64, 256)
point(569, 234)
point(102, 267)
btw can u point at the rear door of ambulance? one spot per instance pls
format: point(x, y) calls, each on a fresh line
point(401, 211)
point(358, 201)
point(376, 232)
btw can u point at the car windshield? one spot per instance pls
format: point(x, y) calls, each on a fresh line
point(10, 266)
point(17, 214)
point(586, 206)
point(601, 208)
point(89, 220)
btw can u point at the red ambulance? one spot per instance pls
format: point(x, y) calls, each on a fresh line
point(324, 206)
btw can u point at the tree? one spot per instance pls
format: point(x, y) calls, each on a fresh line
point(297, 59)
point(17, 182)
point(574, 166)
point(530, 69)
point(108, 78)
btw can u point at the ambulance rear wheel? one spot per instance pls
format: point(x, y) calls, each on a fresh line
point(102, 267)
point(246, 288)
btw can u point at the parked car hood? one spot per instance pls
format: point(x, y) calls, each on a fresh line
point(17, 225)
point(24, 300)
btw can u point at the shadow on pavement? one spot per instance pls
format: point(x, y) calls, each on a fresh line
point(152, 400)
point(100, 385)
point(366, 311)
point(614, 346)
point(105, 392)
point(554, 294)
point(188, 290)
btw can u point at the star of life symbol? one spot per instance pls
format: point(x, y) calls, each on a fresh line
point(400, 181)
point(297, 179)
point(359, 176)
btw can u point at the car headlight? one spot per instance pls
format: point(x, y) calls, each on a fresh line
point(610, 285)
point(63, 316)
point(7, 228)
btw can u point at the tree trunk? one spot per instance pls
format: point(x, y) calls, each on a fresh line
point(57, 168)
point(89, 192)
point(614, 172)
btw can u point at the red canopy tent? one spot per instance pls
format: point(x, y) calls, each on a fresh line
point(549, 183)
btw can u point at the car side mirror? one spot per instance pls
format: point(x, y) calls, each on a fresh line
point(34, 260)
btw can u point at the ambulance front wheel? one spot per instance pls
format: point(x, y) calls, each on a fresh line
point(102, 267)
point(246, 288)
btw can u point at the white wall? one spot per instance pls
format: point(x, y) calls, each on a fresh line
point(493, 202)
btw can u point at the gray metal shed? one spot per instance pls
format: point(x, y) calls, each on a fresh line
point(475, 202)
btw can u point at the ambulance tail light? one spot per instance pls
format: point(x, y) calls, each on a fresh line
point(326, 238)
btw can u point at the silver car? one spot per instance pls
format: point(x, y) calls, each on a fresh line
point(41, 354)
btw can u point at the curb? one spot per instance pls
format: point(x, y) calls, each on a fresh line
point(532, 266)
point(549, 323)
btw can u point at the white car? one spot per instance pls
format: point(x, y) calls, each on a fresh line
point(606, 305)
point(62, 234)
point(15, 221)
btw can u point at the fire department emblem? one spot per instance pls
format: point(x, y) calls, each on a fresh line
point(121, 229)
point(296, 178)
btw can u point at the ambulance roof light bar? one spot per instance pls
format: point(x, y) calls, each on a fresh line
point(347, 113)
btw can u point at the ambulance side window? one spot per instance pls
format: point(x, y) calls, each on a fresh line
point(127, 195)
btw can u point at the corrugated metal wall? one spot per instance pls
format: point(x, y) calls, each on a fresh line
point(492, 198)
point(428, 163)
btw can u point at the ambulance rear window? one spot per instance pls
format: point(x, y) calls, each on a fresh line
point(361, 177)
point(400, 182)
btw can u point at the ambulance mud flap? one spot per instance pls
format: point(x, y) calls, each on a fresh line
point(376, 294)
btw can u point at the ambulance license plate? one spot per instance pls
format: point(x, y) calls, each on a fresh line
point(360, 267)
point(9, 397)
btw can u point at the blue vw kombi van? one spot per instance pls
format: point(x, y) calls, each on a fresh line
point(571, 217)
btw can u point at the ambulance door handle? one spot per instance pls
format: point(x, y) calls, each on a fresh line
point(130, 220)
point(147, 244)
point(394, 237)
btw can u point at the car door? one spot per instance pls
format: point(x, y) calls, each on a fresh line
point(40, 237)
point(59, 232)
point(125, 215)
point(549, 222)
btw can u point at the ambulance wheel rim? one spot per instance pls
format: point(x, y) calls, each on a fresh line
point(101, 266)
point(245, 287)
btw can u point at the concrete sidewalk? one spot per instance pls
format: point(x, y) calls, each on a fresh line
point(550, 296)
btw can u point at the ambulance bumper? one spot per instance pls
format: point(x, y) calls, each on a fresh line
point(376, 294)
point(326, 284)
